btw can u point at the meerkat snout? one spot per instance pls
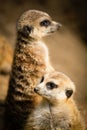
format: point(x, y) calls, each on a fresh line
point(59, 26)
point(69, 93)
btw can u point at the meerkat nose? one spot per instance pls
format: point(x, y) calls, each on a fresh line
point(36, 89)
point(59, 25)
point(69, 92)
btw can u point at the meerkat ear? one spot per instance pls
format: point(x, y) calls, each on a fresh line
point(26, 31)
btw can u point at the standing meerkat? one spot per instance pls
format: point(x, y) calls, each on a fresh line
point(57, 109)
point(31, 61)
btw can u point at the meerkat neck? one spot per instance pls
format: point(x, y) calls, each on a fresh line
point(56, 103)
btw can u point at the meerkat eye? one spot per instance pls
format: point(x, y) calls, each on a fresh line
point(45, 23)
point(42, 79)
point(51, 85)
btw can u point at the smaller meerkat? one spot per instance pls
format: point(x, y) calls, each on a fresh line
point(57, 109)
point(30, 63)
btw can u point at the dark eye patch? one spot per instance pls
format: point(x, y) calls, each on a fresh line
point(45, 23)
point(51, 85)
point(42, 79)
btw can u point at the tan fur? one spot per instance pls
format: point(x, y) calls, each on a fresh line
point(55, 111)
point(31, 62)
point(6, 53)
point(6, 56)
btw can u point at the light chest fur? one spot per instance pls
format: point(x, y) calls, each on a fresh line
point(60, 117)
point(39, 51)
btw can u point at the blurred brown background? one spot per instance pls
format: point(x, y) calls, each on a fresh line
point(67, 47)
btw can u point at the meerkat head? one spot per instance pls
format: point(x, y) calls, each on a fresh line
point(55, 86)
point(36, 24)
